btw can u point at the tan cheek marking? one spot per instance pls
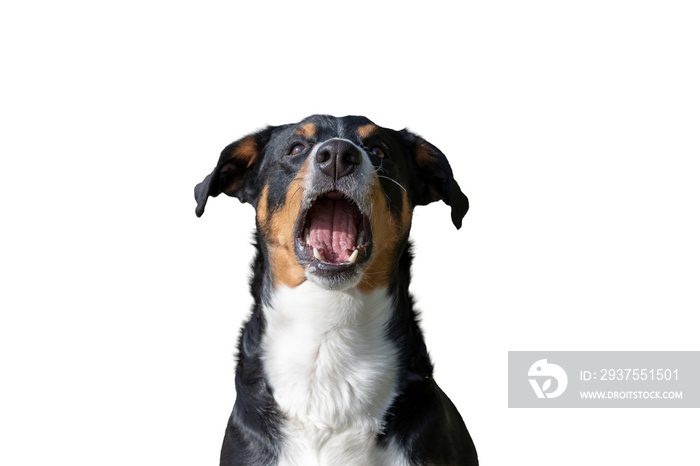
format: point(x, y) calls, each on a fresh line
point(285, 269)
point(366, 130)
point(387, 232)
point(261, 211)
point(279, 234)
point(308, 130)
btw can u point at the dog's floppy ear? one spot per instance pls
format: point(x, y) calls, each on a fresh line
point(433, 179)
point(235, 170)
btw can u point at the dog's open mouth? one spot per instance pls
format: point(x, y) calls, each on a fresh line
point(333, 231)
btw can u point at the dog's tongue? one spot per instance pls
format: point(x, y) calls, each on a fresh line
point(333, 228)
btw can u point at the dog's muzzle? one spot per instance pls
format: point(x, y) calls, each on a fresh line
point(333, 231)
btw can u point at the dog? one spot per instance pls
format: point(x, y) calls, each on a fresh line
point(332, 366)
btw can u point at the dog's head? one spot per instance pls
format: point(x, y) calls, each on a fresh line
point(334, 197)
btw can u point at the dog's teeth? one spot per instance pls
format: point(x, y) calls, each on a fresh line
point(317, 254)
point(353, 257)
point(360, 239)
point(307, 237)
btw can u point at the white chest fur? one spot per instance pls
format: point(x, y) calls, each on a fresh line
point(332, 372)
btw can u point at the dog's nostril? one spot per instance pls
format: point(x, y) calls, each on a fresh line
point(352, 157)
point(323, 156)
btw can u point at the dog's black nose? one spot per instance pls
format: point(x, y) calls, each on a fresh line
point(338, 158)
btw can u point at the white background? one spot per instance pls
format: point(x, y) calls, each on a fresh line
point(572, 127)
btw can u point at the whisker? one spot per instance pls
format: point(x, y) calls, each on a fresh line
point(381, 167)
point(393, 181)
point(297, 190)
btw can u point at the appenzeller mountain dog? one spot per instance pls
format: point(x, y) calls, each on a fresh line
point(332, 365)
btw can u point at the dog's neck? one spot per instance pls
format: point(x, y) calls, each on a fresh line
point(327, 356)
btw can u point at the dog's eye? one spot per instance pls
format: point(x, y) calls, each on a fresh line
point(377, 151)
point(297, 149)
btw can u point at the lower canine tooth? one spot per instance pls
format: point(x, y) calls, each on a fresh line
point(353, 257)
point(317, 254)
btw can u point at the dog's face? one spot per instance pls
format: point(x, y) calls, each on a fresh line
point(334, 197)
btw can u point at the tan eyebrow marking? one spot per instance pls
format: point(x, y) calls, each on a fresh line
point(367, 130)
point(308, 130)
